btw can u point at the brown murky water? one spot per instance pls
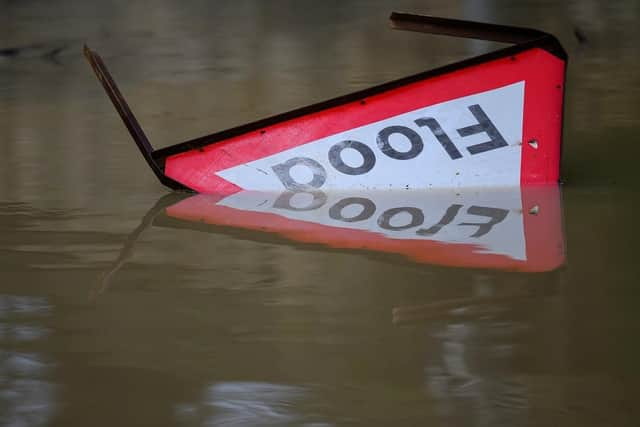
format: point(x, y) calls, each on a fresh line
point(235, 328)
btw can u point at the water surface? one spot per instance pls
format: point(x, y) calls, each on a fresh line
point(215, 327)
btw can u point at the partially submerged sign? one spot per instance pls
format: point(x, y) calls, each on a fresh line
point(492, 120)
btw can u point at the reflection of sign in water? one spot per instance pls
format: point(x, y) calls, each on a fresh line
point(515, 229)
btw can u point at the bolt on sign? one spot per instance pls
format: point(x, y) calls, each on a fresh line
point(492, 120)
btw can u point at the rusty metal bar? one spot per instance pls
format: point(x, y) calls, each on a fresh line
point(465, 29)
point(127, 116)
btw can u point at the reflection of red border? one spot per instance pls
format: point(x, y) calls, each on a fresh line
point(542, 72)
point(543, 233)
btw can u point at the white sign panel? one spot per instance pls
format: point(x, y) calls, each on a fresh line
point(471, 141)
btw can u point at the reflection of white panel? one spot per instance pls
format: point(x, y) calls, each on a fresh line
point(433, 167)
point(239, 403)
point(440, 215)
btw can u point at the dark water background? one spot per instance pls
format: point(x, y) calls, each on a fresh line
point(217, 329)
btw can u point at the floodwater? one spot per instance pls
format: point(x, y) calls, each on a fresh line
point(110, 315)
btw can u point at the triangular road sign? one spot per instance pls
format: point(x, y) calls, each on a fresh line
point(492, 120)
